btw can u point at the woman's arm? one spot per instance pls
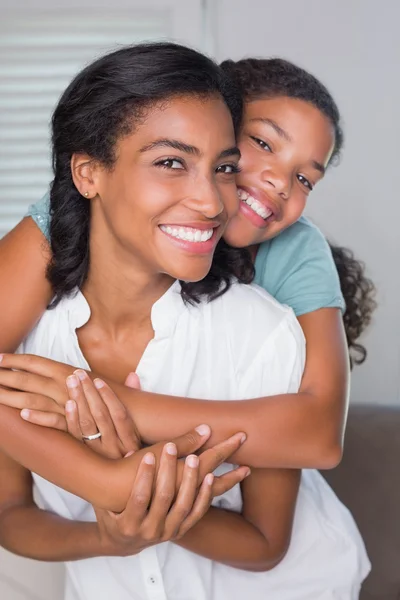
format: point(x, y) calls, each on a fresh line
point(264, 527)
point(34, 533)
point(105, 483)
point(25, 291)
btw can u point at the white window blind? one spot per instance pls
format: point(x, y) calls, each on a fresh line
point(39, 55)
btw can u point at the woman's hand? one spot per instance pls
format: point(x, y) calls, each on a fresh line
point(93, 407)
point(154, 513)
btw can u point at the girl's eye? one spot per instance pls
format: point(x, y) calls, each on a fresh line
point(228, 169)
point(305, 182)
point(261, 143)
point(170, 163)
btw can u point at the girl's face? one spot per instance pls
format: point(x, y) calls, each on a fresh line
point(164, 205)
point(285, 145)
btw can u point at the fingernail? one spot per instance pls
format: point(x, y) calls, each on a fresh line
point(192, 460)
point(149, 459)
point(209, 479)
point(248, 473)
point(1, 357)
point(243, 438)
point(98, 383)
point(131, 380)
point(81, 374)
point(72, 381)
point(203, 430)
point(25, 413)
point(70, 405)
point(171, 449)
point(129, 453)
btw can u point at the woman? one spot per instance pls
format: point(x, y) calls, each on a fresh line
point(130, 136)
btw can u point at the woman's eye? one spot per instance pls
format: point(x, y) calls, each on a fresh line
point(261, 143)
point(170, 163)
point(228, 169)
point(305, 182)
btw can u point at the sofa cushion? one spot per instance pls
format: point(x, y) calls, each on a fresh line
point(368, 482)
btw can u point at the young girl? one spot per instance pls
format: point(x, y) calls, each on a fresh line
point(130, 142)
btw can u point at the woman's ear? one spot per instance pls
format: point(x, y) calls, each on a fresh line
point(84, 170)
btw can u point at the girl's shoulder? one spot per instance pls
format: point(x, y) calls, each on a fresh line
point(298, 269)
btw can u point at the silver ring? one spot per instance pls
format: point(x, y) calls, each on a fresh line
point(90, 438)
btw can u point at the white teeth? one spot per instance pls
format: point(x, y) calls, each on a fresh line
point(188, 234)
point(255, 205)
point(242, 194)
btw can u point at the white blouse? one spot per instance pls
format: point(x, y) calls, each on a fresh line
point(242, 345)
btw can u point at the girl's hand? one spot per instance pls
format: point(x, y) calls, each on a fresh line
point(34, 382)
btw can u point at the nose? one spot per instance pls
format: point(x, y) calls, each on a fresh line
point(206, 198)
point(278, 181)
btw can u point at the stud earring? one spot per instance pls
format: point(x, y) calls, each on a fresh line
point(86, 194)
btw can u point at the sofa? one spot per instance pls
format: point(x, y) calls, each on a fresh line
point(368, 482)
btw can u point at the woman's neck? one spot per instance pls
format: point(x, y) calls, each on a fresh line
point(120, 290)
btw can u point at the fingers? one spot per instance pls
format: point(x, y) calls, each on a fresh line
point(87, 423)
point(186, 497)
point(28, 400)
point(72, 419)
point(123, 422)
point(28, 362)
point(212, 458)
point(164, 491)
point(140, 497)
point(227, 481)
point(192, 441)
point(25, 382)
point(45, 419)
point(200, 507)
point(133, 381)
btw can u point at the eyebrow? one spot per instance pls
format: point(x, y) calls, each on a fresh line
point(186, 148)
point(318, 166)
point(283, 134)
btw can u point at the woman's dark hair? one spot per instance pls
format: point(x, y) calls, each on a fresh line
point(272, 77)
point(359, 295)
point(104, 102)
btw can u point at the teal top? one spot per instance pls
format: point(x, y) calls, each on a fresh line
point(296, 267)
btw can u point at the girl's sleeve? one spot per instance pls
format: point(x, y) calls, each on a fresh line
point(297, 268)
point(40, 213)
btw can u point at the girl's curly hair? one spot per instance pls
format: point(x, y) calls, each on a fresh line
point(359, 294)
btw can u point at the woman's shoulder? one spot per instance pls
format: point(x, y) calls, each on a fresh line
point(60, 320)
point(249, 315)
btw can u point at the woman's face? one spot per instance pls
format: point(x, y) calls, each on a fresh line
point(164, 205)
point(285, 145)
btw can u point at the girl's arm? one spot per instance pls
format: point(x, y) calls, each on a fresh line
point(25, 291)
point(299, 430)
point(264, 527)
